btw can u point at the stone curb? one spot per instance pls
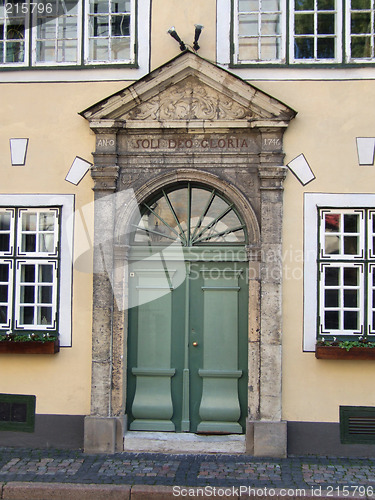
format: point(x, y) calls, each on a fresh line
point(18, 490)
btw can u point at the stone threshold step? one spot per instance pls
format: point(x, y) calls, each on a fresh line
point(172, 442)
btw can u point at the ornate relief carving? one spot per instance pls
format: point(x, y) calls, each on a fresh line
point(189, 100)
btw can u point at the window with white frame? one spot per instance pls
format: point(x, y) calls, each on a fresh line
point(314, 31)
point(339, 275)
point(259, 30)
point(36, 265)
point(29, 265)
point(51, 32)
point(315, 34)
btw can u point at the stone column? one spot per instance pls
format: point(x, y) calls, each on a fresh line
point(269, 433)
point(103, 432)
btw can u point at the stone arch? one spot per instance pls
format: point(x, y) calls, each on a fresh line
point(126, 216)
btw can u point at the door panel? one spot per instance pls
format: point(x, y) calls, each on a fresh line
point(187, 349)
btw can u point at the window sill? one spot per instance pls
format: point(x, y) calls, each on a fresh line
point(333, 352)
point(32, 347)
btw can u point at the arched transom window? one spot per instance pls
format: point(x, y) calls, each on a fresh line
point(192, 215)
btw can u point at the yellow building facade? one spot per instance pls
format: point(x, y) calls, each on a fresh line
point(249, 157)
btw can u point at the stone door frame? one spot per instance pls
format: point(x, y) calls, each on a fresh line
point(248, 172)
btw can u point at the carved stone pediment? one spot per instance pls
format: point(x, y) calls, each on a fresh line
point(189, 100)
point(189, 89)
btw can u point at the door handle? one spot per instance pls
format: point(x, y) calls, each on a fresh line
point(195, 344)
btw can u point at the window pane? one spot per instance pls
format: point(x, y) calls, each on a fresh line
point(4, 242)
point(350, 320)
point(45, 273)
point(26, 315)
point(99, 49)
point(248, 5)
point(120, 49)
point(67, 51)
point(4, 273)
point(332, 245)
point(248, 25)
point(3, 314)
point(45, 295)
point(248, 49)
point(331, 320)
point(351, 245)
point(326, 24)
point(28, 243)
point(5, 221)
point(326, 48)
point(270, 24)
point(120, 26)
point(67, 27)
point(332, 275)
point(28, 273)
point(14, 52)
point(44, 316)
point(331, 298)
point(350, 298)
point(120, 6)
point(351, 223)
point(46, 28)
point(3, 293)
point(304, 24)
point(270, 5)
point(27, 295)
point(361, 22)
point(99, 6)
point(351, 276)
point(29, 221)
point(326, 4)
point(361, 4)
point(304, 48)
point(361, 47)
point(304, 5)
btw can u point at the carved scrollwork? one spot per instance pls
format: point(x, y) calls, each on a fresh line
point(190, 100)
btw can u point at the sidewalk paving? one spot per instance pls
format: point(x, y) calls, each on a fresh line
point(66, 474)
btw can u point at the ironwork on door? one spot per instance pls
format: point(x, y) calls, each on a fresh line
point(187, 349)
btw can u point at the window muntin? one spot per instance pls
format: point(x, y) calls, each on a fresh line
point(346, 272)
point(109, 30)
point(260, 30)
point(192, 216)
point(314, 31)
point(56, 34)
point(13, 39)
point(57, 38)
point(361, 30)
point(29, 268)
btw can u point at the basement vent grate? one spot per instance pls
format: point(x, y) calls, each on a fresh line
point(17, 412)
point(357, 424)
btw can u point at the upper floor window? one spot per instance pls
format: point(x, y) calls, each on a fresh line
point(315, 34)
point(51, 32)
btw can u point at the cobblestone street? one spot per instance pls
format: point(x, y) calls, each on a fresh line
point(58, 466)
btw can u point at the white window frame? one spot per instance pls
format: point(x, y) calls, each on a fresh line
point(95, 71)
point(66, 204)
point(26, 46)
point(34, 38)
point(338, 37)
point(313, 202)
point(131, 60)
point(282, 37)
point(349, 58)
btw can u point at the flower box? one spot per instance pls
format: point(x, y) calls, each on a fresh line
point(334, 352)
point(31, 347)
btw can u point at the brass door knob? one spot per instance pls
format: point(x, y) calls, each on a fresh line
point(195, 344)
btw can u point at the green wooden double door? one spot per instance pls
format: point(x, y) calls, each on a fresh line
point(187, 347)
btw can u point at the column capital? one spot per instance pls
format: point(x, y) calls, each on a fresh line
point(105, 178)
point(272, 177)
